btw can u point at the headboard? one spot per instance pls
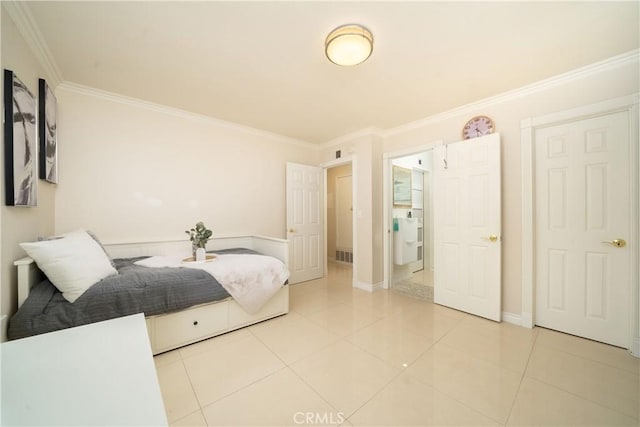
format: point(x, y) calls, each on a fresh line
point(29, 274)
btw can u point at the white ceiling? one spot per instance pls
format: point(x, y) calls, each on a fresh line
point(262, 64)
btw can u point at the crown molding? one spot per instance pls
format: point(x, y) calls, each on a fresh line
point(176, 112)
point(370, 131)
point(624, 59)
point(21, 16)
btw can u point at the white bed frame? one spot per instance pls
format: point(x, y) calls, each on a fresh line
point(176, 329)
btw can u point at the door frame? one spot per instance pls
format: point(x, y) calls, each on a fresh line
point(350, 159)
point(387, 197)
point(528, 127)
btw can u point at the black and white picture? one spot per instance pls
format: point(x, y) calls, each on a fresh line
point(47, 133)
point(19, 142)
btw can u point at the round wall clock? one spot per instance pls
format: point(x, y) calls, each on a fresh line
point(478, 126)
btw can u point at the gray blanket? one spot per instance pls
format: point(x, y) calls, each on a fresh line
point(133, 290)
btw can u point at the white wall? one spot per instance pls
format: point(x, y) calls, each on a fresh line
point(133, 171)
point(612, 79)
point(20, 224)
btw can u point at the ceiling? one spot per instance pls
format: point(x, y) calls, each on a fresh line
point(262, 64)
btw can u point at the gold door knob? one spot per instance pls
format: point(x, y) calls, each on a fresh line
point(291, 230)
point(492, 238)
point(618, 243)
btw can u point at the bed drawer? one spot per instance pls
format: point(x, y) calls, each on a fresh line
point(184, 327)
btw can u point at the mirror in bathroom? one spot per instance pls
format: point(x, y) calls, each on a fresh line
point(401, 186)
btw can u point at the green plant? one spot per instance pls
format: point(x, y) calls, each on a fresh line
point(199, 235)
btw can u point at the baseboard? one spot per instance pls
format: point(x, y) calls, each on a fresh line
point(635, 347)
point(526, 320)
point(369, 287)
point(514, 319)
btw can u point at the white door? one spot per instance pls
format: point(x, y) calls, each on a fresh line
point(305, 230)
point(582, 208)
point(466, 208)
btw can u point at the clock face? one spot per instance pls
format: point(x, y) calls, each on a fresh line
point(478, 126)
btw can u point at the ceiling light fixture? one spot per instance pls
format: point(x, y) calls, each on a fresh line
point(349, 44)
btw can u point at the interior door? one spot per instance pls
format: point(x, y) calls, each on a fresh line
point(582, 216)
point(305, 229)
point(467, 226)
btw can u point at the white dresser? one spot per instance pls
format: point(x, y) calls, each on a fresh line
point(98, 374)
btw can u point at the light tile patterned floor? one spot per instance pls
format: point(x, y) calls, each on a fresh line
point(343, 356)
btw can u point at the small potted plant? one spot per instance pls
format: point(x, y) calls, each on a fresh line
point(199, 236)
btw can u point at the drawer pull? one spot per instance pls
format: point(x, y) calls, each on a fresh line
point(195, 323)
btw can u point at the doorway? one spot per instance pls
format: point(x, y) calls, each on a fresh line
point(340, 214)
point(464, 200)
point(410, 212)
point(340, 233)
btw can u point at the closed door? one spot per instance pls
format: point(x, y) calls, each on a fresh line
point(467, 241)
point(582, 216)
point(305, 230)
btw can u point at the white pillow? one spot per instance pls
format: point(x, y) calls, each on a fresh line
point(73, 263)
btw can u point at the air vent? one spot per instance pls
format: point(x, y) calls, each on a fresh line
point(344, 256)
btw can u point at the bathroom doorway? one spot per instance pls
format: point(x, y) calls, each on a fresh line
point(410, 231)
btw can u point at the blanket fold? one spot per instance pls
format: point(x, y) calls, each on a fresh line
point(250, 279)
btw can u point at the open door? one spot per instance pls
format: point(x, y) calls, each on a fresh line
point(305, 229)
point(467, 232)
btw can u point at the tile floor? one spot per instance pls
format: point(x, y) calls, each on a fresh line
point(348, 357)
point(420, 285)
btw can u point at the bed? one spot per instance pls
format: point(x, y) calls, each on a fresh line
point(169, 327)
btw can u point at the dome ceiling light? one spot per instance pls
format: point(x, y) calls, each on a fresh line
point(348, 45)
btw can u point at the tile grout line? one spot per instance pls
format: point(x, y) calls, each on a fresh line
point(346, 340)
point(243, 387)
point(587, 399)
point(400, 372)
point(560, 349)
point(403, 371)
point(317, 393)
point(445, 393)
point(193, 390)
point(522, 377)
point(202, 407)
point(455, 399)
point(187, 416)
point(288, 366)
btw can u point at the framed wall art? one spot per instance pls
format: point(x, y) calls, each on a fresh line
point(48, 141)
point(19, 142)
point(401, 186)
